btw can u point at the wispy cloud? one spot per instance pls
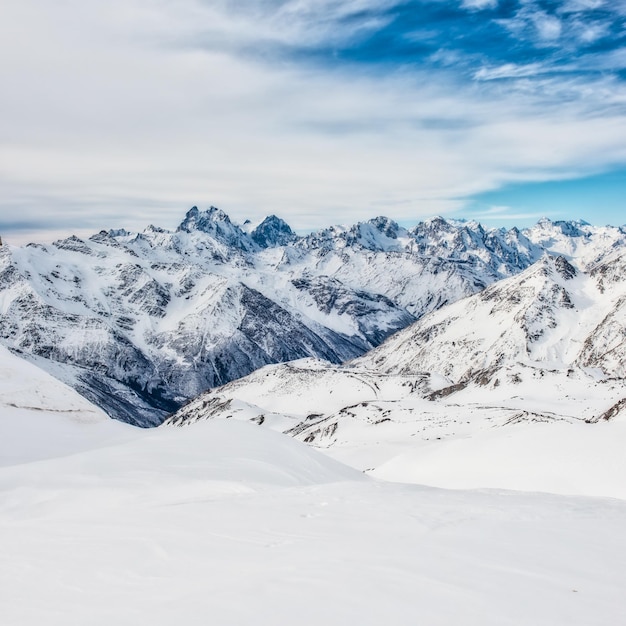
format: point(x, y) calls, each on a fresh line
point(575, 6)
point(510, 70)
point(317, 110)
point(504, 213)
point(480, 4)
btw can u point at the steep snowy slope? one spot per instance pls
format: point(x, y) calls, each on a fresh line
point(606, 345)
point(139, 323)
point(40, 417)
point(551, 316)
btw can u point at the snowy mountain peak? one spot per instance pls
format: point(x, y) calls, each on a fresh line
point(154, 229)
point(564, 268)
point(273, 232)
point(569, 228)
point(386, 226)
point(203, 220)
point(217, 224)
point(437, 223)
point(553, 267)
point(379, 234)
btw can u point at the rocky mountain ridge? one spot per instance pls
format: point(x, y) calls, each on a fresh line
point(140, 323)
point(547, 346)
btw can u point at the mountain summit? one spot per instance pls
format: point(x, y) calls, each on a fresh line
point(273, 232)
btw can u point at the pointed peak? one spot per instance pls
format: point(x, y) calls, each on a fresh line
point(436, 224)
point(273, 219)
point(118, 232)
point(437, 219)
point(386, 226)
point(154, 229)
point(203, 220)
point(271, 232)
point(564, 268)
point(550, 265)
point(473, 225)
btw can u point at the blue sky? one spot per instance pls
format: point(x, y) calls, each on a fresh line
point(125, 113)
point(599, 198)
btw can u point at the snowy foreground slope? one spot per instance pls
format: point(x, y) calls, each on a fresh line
point(140, 323)
point(40, 417)
point(228, 523)
point(520, 386)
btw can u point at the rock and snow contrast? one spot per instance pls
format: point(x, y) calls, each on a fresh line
point(287, 496)
point(140, 323)
point(526, 376)
point(40, 417)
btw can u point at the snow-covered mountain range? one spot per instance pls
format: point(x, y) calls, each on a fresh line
point(139, 323)
point(540, 357)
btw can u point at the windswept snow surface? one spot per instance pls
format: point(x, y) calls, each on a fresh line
point(536, 430)
point(228, 523)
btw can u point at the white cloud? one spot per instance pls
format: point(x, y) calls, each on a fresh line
point(548, 27)
point(510, 70)
point(575, 6)
point(480, 4)
point(589, 32)
point(114, 122)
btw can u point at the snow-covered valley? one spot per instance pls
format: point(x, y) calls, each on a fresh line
point(520, 386)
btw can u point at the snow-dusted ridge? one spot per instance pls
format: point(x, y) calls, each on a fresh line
point(227, 522)
point(528, 373)
point(140, 323)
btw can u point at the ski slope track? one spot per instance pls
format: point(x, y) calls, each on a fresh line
point(140, 323)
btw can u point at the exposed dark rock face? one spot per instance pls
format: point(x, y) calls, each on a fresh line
point(272, 232)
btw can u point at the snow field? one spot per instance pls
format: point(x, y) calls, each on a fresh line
point(226, 522)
